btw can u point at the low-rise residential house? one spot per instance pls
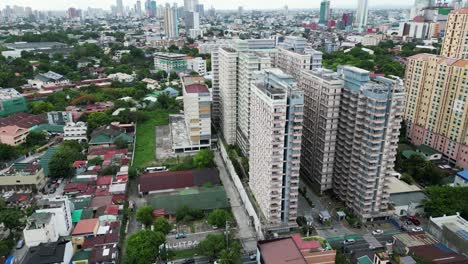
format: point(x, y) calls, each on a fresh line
point(107, 135)
point(121, 77)
point(60, 252)
point(40, 228)
point(461, 179)
point(76, 131)
point(13, 135)
point(23, 176)
point(452, 230)
point(429, 153)
point(48, 79)
point(406, 199)
point(84, 229)
point(61, 208)
point(59, 117)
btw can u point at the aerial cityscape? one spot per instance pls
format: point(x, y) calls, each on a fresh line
point(263, 132)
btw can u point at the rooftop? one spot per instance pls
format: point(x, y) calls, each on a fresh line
point(86, 226)
point(9, 93)
point(463, 174)
point(44, 253)
point(456, 223)
point(196, 88)
point(282, 250)
point(396, 185)
point(169, 55)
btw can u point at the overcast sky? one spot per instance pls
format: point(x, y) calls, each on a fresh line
point(218, 4)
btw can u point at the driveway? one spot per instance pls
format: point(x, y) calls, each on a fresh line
point(245, 231)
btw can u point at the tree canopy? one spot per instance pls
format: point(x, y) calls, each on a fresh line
point(144, 215)
point(218, 217)
point(143, 247)
point(446, 200)
point(204, 159)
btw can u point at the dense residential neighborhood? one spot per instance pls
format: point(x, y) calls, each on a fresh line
point(144, 132)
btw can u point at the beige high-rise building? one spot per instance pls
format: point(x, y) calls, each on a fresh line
point(275, 147)
point(436, 110)
point(368, 128)
point(322, 92)
point(292, 62)
point(455, 43)
point(228, 94)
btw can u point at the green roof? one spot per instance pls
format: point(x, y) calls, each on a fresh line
point(444, 11)
point(82, 255)
point(209, 199)
point(425, 149)
point(364, 260)
point(49, 128)
point(408, 153)
point(76, 215)
point(87, 213)
point(81, 203)
point(105, 139)
point(45, 159)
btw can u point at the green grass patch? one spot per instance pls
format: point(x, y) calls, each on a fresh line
point(145, 145)
point(186, 253)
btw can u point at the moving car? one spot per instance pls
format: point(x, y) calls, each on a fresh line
point(189, 261)
point(377, 232)
point(416, 229)
point(20, 244)
point(180, 235)
point(349, 241)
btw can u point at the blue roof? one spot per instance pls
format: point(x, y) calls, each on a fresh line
point(463, 174)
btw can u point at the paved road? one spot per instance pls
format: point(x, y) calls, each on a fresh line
point(245, 231)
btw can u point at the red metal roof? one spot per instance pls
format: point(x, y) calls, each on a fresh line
point(281, 251)
point(196, 88)
point(85, 226)
point(112, 209)
point(302, 245)
point(104, 180)
point(176, 179)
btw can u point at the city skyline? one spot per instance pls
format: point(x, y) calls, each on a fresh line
point(223, 5)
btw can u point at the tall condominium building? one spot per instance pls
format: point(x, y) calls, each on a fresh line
point(171, 21)
point(322, 94)
point(436, 110)
point(197, 110)
point(455, 44)
point(361, 14)
point(192, 20)
point(293, 56)
point(367, 139)
point(120, 8)
point(228, 94)
point(324, 11)
point(419, 6)
point(249, 62)
point(275, 147)
point(214, 50)
point(234, 72)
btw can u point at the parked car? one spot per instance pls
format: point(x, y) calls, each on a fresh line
point(377, 232)
point(414, 220)
point(189, 261)
point(253, 256)
point(416, 229)
point(349, 241)
point(180, 235)
point(20, 244)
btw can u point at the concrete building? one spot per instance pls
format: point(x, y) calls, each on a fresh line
point(228, 94)
point(368, 130)
point(322, 94)
point(436, 110)
point(60, 252)
point(197, 64)
point(361, 14)
point(192, 20)
point(452, 230)
point(13, 135)
point(61, 208)
point(193, 131)
point(59, 118)
point(11, 101)
point(275, 148)
point(461, 179)
point(76, 131)
point(171, 21)
point(455, 44)
point(406, 199)
point(170, 62)
point(292, 62)
point(40, 228)
point(26, 177)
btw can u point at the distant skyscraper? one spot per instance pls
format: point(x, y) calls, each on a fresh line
point(120, 8)
point(347, 20)
point(190, 5)
point(274, 163)
point(420, 5)
point(240, 10)
point(138, 8)
point(192, 20)
point(153, 8)
point(455, 44)
point(361, 14)
point(171, 21)
point(200, 9)
point(324, 11)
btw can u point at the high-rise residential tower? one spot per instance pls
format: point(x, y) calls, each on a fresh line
point(324, 11)
point(275, 147)
point(120, 8)
point(436, 111)
point(171, 21)
point(368, 129)
point(361, 14)
point(322, 94)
